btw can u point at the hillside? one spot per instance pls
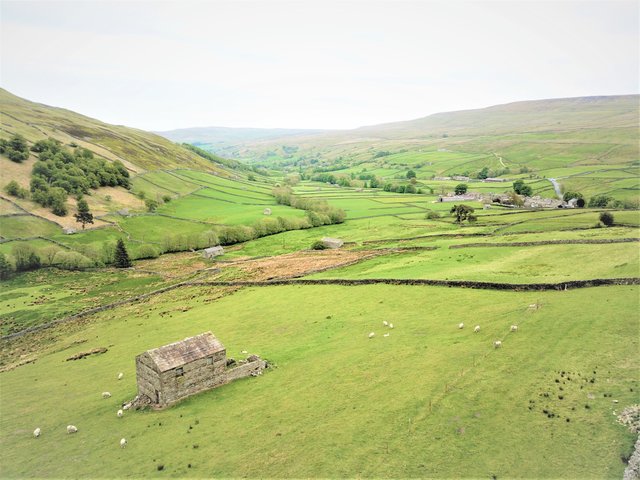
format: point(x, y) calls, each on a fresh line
point(136, 149)
point(221, 140)
point(590, 143)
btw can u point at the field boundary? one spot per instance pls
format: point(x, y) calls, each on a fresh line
point(585, 241)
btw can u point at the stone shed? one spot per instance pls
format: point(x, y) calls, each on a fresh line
point(329, 242)
point(172, 372)
point(213, 252)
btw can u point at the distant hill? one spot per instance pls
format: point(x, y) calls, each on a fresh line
point(137, 149)
point(222, 140)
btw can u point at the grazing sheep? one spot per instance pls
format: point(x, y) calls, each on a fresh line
point(123, 442)
point(72, 429)
point(391, 325)
point(461, 325)
point(126, 407)
point(385, 323)
point(36, 432)
point(120, 375)
point(497, 344)
point(386, 335)
point(244, 352)
point(514, 328)
point(106, 394)
point(120, 413)
point(476, 329)
point(372, 334)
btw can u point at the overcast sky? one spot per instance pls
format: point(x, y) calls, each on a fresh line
point(311, 64)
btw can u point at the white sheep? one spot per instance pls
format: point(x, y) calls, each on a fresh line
point(127, 406)
point(72, 429)
point(461, 325)
point(497, 344)
point(123, 442)
point(106, 394)
point(476, 329)
point(36, 432)
point(120, 375)
point(386, 335)
point(391, 325)
point(244, 352)
point(120, 413)
point(385, 323)
point(514, 328)
point(372, 334)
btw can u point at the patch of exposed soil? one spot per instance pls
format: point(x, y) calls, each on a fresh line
point(297, 264)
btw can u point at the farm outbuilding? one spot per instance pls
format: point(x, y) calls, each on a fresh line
point(332, 242)
point(213, 252)
point(172, 372)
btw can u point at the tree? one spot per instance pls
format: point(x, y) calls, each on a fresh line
point(599, 201)
point(569, 195)
point(121, 257)
point(83, 216)
point(484, 173)
point(6, 269)
point(461, 189)
point(607, 219)
point(15, 190)
point(16, 148)
point(25, 257)
point(411, 174)
point(151, 204)
point(462, 213)
point(522, 189)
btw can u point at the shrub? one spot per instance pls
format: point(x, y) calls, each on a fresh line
point(147, 251)
point(16, 148)
point(152, 205)
point(431, 215)
point(25, 257)
point(6, 269)
point(606, 218)
point(72, 260)
point(522, 189)
point(599, 201)
point(15, 190)
point(318, 245)
point(166, 198)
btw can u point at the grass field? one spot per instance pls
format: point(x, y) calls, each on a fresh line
point(402, 406)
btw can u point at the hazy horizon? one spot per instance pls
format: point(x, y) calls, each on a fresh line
point(309, 65)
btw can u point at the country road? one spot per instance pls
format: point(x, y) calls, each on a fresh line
point(556, 187)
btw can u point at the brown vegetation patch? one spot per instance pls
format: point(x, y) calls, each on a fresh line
point(297, 264)
point(94, 351)
point(174, 265)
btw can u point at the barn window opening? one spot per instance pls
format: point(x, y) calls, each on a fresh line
point(179, 372)
point(209, 360)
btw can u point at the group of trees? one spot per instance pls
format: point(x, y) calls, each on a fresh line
point(60, 172)
point(15, 148)
point(319, 212)
point(522, 188)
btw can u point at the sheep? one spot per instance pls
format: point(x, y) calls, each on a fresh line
point(372, 334)
point(386, 335)
point(385, 323)
point(72, 429)
point(391, 325)
point(244, 352)
point(120, 375)
point(476, 329)
point(120, 413)
point(461, 325)
point(106, 395)
point(123, 442)
point(514, 328)
point(36, 432)
point(497, 344)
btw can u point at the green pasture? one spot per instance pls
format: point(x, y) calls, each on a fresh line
point(531, 264)
point(26, 226)
point(401, 406)
point(223, 212)
point(40, 297)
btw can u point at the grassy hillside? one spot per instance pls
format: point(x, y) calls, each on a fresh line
point(137, 149)
point(591, 144)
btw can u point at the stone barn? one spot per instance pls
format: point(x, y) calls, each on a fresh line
point(213, 252)
point(170, 373)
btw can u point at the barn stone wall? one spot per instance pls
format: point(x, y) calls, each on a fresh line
point(245, 370)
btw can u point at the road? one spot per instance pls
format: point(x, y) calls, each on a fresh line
point(556, 187)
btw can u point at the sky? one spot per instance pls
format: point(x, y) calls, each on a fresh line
point(160, 65)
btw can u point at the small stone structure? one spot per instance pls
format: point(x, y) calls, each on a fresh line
point(170, 373)
point(213, 252)
point(332, 242)
point(69, 231)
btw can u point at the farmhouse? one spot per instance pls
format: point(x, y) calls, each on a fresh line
point(212, 252)
point(170, 373)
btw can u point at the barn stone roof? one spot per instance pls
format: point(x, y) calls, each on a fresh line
point(185, 351)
